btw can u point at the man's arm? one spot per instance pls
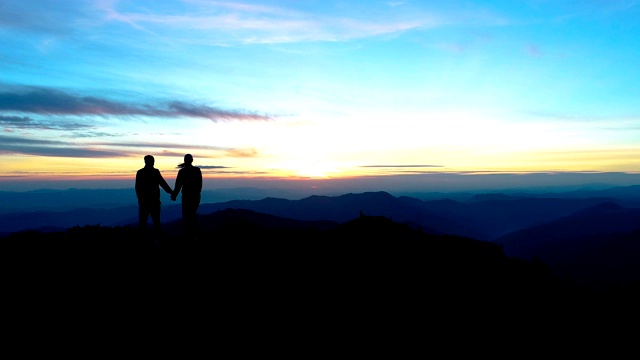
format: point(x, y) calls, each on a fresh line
point(137, 186)
point(163, 184)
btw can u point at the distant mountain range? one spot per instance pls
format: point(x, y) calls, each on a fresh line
point(63, 200)
point(479, 216)
point(588, 236)
point(70, 199)
point(596, 245)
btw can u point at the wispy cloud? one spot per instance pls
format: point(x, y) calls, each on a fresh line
point(242, 153)
point(54, 17)
point(397, 169)
point(203, 167)
point(233, 22)
point(156, 145)
point(248, 23)
point(177, 149)
point(179, 108)
point(27, 145)
point(46, 101)
point(92, 134)
point(40, 147)
point(28, 123)
point(17, 140)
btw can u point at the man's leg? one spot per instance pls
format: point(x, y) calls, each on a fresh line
point(143, 216)
point(154, 211)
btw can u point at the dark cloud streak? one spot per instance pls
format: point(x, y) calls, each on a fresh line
point(44, 101)
point(50, 151)
point(157, 145)
point(16, 140)
point(24, 122)
point(52, 148)
point(213, 167)
point(210, 113)
point(42, 147)
point(48, 101)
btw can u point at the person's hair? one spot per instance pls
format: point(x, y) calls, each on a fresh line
point(188, 159)
point(149, 160)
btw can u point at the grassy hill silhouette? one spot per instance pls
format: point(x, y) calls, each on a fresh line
point(247, 267)
point(599, 245)
point(368, 254)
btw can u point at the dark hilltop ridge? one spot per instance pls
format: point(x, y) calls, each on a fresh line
point(368, 251)
point(252, 272)
point(248, 252)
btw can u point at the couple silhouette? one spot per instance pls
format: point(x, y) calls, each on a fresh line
point(149, 180)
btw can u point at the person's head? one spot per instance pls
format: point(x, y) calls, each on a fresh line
point(149, 160)
point(188, 159)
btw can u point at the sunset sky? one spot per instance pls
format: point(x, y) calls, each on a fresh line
point(318, 89)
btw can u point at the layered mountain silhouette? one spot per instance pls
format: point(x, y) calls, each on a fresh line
point(483, 216)
point(596, 245)
point(588, 242)
point(368, 256)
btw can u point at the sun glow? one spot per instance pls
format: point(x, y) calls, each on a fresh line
point(310, 168)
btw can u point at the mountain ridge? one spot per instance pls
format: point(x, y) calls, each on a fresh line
point(609, 253)
point(482, 219)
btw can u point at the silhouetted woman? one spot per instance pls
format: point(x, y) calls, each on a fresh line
point(189, 180)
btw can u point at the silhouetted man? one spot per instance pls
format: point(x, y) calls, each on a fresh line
point(148, 183)
point(189, 180)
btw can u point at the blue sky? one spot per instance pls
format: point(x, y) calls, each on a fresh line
point(318, 89)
